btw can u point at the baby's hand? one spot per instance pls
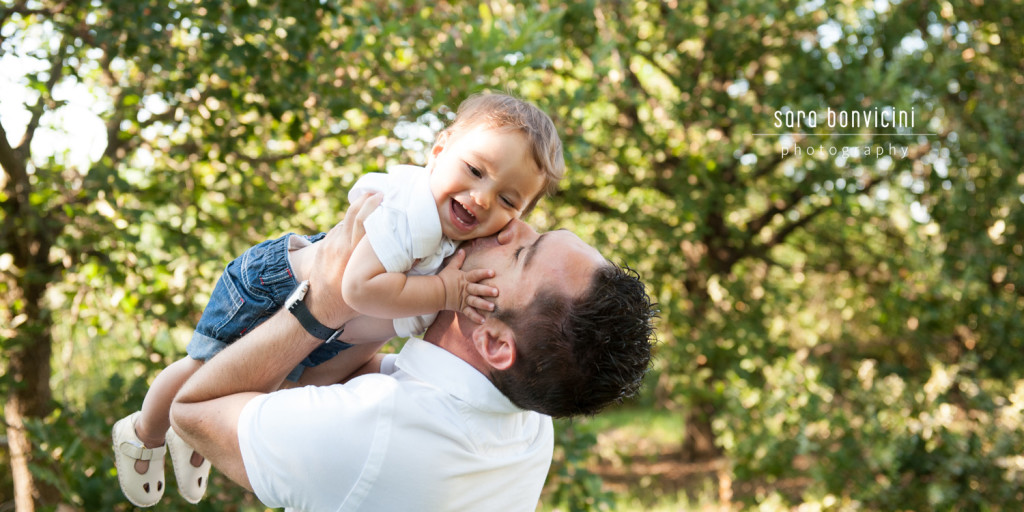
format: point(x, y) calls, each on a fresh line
point(463, 292)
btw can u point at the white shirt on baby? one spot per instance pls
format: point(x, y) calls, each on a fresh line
point(430, 433)
point(405, 231)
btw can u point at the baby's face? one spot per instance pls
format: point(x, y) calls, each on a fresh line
point(481, 179)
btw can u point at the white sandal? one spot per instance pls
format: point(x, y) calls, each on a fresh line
point(191, 480)
point(145, 489)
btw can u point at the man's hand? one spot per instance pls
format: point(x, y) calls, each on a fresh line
point(463, 292)
point(333, 252)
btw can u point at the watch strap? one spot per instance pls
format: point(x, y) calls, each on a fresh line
point(311, 324)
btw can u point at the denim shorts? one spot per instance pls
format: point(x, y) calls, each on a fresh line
point(252, 287)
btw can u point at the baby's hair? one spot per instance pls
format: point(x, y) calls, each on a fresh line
point(507, 112)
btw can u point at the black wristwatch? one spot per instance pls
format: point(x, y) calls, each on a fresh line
point(308, 321)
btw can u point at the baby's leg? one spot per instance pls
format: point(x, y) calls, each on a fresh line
point(152, 425)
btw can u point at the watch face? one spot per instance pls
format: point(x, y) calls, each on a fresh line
point(297, 295)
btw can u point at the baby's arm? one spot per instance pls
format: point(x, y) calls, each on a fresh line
point(371, 290)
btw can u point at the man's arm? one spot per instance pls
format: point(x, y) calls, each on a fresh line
point(206, 410)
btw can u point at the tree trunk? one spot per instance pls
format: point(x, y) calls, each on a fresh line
point(20, 449)
point(29, 368)
point(28, 236)
point(699, 443)
point(699, 438)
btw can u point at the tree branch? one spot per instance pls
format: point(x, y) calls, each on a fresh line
point(594, 206)
point(788, 229)
point(56, 69)
point(23, 9)
point(13, 162)
point(756, 225)
point(768, 167)
point(300, 149)
point(674, 78)
point(781, 235)
point(706, 48)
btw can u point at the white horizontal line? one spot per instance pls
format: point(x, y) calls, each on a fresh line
point(846, 134)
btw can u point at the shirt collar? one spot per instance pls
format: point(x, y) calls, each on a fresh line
point(439, 367)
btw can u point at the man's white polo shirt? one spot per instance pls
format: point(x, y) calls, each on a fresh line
point(429, 433)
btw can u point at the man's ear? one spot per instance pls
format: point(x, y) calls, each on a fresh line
point(496, 343)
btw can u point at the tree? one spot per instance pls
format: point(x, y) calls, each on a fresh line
point(780, 274)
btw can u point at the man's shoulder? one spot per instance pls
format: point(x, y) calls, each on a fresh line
point(365, 391)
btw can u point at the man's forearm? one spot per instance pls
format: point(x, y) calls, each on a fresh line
point(257, 362)
point(206, 410)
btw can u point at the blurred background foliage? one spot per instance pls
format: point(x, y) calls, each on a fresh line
point(852, 324)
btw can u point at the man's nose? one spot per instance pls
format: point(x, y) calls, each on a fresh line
point(514, 230)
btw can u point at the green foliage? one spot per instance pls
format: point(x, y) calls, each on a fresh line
point(570, 482)
point(853, 320)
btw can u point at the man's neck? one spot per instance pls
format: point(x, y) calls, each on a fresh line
point(454, 333)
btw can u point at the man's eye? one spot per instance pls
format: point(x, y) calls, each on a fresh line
point(476, 172)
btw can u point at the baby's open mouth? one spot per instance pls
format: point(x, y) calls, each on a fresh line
point(462, 215)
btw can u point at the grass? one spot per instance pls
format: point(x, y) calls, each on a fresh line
point(639, 458)
point(657, 426)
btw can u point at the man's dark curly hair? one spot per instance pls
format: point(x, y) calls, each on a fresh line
point(574, 356)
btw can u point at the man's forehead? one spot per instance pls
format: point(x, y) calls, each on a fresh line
point(567, 238)
point(564, 247)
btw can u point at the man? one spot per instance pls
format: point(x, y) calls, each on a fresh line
point(456, 421)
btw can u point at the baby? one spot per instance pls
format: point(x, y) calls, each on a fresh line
point(491, 165)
